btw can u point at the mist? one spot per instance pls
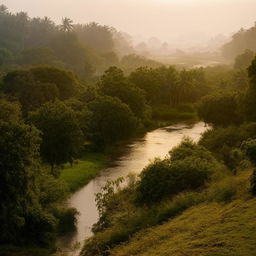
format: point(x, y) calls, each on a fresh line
point(180, 23)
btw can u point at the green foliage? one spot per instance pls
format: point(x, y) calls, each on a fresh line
point(253, 182)
point(178, 113)
point(123, 220)
point(67, 220)
point(220, 109)
point(244, 60)
point(96, 35)
point(249, 102)
point(225, 143)
point(61, 136)
point(242, 40)
point(65, 81)
point(9, 111)
point(5, 56)
point(87, 168)
point(31, 93)
point(112, 120)
point(207, 229)
point(38, 56)
point(113, 83)
point(189, 167)
point(249, 146)
point(129, 63)
point(24, 220)
point(165, 85)
point(188, 148)
point(86, 49)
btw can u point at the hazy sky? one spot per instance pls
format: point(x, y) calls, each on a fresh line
point(165, 19)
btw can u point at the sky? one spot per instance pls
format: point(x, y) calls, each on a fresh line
point(168, 20)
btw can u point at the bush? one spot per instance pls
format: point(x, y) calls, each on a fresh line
point(220, 109)
point(249, 147)
point(67, 220)
point(188, 148)
point(163, 179)
point(112, 121)
point(224, 141)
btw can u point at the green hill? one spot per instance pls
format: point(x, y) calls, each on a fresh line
point(208, 229)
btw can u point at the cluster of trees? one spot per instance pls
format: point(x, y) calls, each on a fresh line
point(30, 195)
point(85, 49)
point(232, 114)
point(233, 106)
point(242, 40)
point(46, 116)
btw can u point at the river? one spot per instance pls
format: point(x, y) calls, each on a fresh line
point(135, 157)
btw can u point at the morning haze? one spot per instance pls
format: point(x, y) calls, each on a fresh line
point(127, 127)
point(173, 21)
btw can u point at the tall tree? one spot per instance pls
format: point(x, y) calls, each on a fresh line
point(62, 137)
point(67, 25)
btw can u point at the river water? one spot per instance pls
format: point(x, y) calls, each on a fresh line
point(135, 157)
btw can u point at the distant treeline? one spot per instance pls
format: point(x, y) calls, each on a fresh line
point(244, 39)
point(86, 49)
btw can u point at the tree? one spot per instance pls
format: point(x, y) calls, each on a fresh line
point(114, 83)
point(112, 121)
point(145, 79)
point(20, 210)
point(9, 111)
point(220, 109)
point(61, 135)
point(249, 102)
point(66, 25)
point(65, 81)
point(31, 92)
point(244, 60)
point(188, 168)
point(5, 56)
point(96, 36)
point(37, 56)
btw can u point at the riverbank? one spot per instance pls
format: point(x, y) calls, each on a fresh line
point(83, 170)
point(130, 157)
point(90, 164)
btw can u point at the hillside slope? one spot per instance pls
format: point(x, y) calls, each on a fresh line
point(209, 229)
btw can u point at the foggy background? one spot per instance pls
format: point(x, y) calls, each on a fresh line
point(180, 23)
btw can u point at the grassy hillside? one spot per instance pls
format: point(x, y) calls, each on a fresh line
point(208, 229)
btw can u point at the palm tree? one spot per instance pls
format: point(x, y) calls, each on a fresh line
point(66, 25)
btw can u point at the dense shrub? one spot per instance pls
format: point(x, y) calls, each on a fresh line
point(163, 179)
point(67, 220)
point(222, 141)
point(249, 146)
point(188, 148)
point(220, 109)
point(112, 120)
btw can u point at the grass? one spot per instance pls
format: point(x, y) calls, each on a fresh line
point(179, 113)
point(127, 221)
point(84, 170)
point(214, 227)
point(206, 230)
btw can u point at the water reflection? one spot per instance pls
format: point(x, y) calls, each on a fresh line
point(135, 157)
